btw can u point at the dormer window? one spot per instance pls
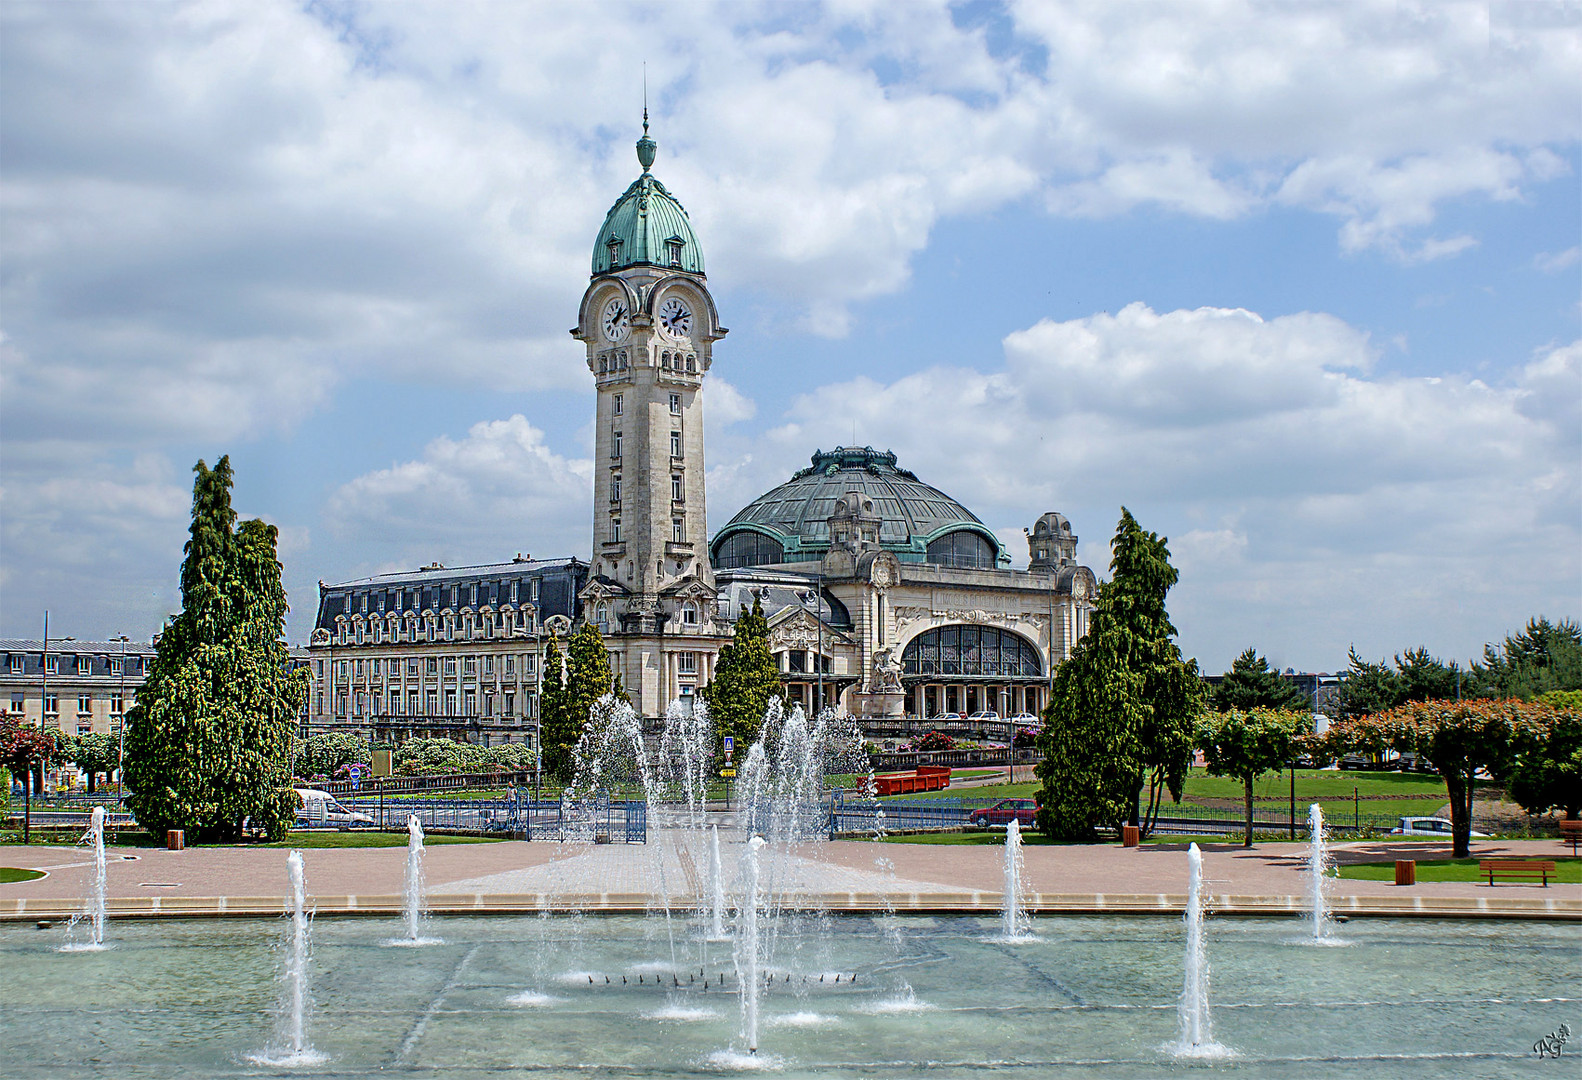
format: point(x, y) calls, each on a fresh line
point(613, 246)
point(674, 246)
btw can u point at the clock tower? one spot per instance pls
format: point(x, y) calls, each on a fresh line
point(649, 326)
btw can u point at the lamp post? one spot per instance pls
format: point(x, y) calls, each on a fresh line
point(120, 729)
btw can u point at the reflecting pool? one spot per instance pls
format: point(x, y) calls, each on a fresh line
point(566, 996)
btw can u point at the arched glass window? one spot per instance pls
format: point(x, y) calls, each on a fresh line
point(971, 651)
point(689, 614)
point(963, 549)
point(747, 548)
point(601, 616)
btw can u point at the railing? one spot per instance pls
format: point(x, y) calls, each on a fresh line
point(887, 762)
point(434, 782)
point(599, 819)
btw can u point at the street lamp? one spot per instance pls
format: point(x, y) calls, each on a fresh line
point(120, 728)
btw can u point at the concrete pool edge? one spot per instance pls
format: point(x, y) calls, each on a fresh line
point(965, 902)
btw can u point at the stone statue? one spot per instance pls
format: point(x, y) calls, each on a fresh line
point(886, 673)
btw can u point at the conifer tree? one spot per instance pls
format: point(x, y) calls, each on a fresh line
point(208, 744)
point(745, 678)
point(558, 737)
point(1123, 707)
point(1252, 684)
point(588, 678)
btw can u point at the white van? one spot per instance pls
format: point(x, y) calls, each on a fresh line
point(318, 809)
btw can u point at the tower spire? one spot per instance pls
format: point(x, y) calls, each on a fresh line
point(645, 145)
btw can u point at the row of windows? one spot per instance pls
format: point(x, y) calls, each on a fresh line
point(412, 703)
point(84, 704)
point(610, 362)
point(431, 627)
point(430, 665)
point(615, 445)
point(82, 665)
point(601, 614)
point(678, 530)
point(963, 549)
point(747, 549)
point(412, 598)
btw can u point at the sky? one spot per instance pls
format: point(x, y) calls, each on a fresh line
point(1299, 285)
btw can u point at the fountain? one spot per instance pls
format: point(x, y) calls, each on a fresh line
point(1014, 922)
point(1319, 868)
point(747, 948)
point(717, 883)
point(94, 907)
point(291, 1047)
point(414, 891)
point(1196, 1038)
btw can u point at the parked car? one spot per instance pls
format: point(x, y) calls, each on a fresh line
point(1357, 761)
point(985, 716)
point(945, 718)
point(1426, 826)
point(319, 808)
point(1003, 811)
point(1025, 719)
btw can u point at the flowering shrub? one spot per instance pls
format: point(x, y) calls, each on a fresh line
point(1024, 737)
point(935, 740)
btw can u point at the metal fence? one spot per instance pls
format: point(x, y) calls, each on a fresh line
point(599, 819)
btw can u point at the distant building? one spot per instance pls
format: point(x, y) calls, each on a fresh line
point(77, 686)
point(1320, 689)
point(439, 651)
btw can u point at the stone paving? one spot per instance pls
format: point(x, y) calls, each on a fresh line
point(530, 870)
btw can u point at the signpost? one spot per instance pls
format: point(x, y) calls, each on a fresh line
point(728, 770)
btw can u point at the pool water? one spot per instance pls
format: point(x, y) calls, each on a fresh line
point(932, 997)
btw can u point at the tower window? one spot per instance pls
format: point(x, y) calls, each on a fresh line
point(675, 404)
point(615, 445)
point(613, 245)
point(615, 531)
point(675, 251)
point(615, 488)
point(664, 360)
point(615, 404)
point(692, 365)
point(675, 444)
point(675, 487)
point(678, 530)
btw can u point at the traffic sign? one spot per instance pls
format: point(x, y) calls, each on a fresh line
point(727, 772)
point(730, 745)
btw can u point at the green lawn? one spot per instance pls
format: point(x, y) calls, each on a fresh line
point(8, 874)
point(1567, 871)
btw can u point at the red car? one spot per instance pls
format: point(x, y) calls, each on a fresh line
point(1003, 811)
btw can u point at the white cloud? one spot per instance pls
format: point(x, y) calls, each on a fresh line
point(1314, 500)
point(497, 491)
point(1552, 262)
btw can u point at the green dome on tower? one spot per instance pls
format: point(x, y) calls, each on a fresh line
point(647, 226)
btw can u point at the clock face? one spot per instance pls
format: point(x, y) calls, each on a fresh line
point(676, 317)
point(617, 320)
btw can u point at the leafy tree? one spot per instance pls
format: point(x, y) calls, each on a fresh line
point(208, 743)
point(745, 678)
point(94, 753)
point(1458, 738)
point(1248, 744)
point(558, 735)
point(1546, 772)
point(1544, 656)
point(1122, 708)
point(28, 750)
point(1252, 684)
point(325, 753)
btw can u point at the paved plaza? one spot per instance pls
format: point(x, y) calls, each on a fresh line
point(675, 869)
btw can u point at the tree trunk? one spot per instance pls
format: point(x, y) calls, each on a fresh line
point(1460, 814)
point(91, 775)
point(1247, 783)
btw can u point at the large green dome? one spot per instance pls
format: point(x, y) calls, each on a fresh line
point(647, 226)
point(917, 522)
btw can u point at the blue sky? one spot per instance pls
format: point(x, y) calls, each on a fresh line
point(1297, 284)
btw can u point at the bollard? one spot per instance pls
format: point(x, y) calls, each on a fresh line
point(175, 839)
point(1131, 836)
point(1406, 871)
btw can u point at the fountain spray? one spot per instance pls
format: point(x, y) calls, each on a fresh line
point(1318, 868)
point(94, 907)
point(291, 1038)
point(1013, 918)
point(747, 948)
point(717, 930)
point(1197, 1037)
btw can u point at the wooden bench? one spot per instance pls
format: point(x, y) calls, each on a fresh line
point(1517, 869)
point(1571, 833)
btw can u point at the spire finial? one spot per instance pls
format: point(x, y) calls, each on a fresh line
point(645, 145)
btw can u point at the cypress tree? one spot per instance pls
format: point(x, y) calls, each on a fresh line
point(208, 744)
point(745, 678)
point(558, 737)
point(588, 679)
point(1122, 708)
